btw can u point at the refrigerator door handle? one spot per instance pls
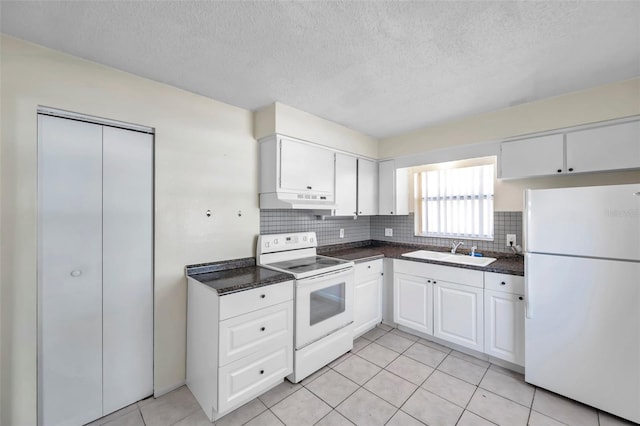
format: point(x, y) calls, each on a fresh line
point(528, 311)
point(527, 300)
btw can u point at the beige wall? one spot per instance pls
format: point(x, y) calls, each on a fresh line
point(286, 120)
point(205, 158)
point(456, 138)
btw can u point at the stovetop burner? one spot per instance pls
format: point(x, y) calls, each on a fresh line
point(295, 254)
point(307, 264)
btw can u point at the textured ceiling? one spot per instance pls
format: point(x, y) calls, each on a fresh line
point(381, 68)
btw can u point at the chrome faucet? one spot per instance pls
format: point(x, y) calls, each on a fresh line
point(454, 246)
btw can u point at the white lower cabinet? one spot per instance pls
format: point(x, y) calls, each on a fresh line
point(413, 302)
point(367, 308)
point(247, 378)
point(483, 311)
point(458, 314)
point(504, 317)
point(238, 345)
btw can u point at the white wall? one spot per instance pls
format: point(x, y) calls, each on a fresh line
point(286, 120)
point(205, 158)
point(476, 136)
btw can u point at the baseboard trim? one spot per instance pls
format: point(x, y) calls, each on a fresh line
point(159, 392)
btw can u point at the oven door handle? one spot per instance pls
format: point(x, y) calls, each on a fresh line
point(343, 271)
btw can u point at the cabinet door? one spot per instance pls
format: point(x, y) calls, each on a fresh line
point(413, 302)
point(305, 167)
point(504, 326)
point(127, 267)
point(393, 189)
point(539, 156)
point(367, 187)
point(70, 271)
point(605, 148)
point(386, 187)
point(346, 184)
point(458, 314)
point(367, 309)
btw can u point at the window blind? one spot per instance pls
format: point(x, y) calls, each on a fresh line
point(456, 202)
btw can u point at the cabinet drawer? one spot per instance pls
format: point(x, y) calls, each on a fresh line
point(252, 300)
point(243, 380)
point(504, 282)
point(265, 328)
point(439, 272)
point(368, 268)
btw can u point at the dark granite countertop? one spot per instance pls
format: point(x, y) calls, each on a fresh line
point(236, 275)
point(231, 276)
point(361, 252)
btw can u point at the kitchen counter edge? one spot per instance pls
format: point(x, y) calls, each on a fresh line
point(232, 276)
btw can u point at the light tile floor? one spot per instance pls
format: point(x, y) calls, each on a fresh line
point(390, 378)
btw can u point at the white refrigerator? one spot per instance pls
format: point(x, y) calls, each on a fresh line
point(582, 285)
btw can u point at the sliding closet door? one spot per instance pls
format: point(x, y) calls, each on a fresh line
point(70, 271)
point(127, 277)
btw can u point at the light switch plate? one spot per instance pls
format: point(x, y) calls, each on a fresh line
point(388, 232)
point(341, 233)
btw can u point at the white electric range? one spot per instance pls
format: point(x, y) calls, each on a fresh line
point(323, 298)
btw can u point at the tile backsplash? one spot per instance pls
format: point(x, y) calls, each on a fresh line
point(372, 228)
point(504, 223)
point(279, 221)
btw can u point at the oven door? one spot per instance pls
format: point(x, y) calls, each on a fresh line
point(324, 304)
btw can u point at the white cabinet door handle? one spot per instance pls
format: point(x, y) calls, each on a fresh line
point(76, 273)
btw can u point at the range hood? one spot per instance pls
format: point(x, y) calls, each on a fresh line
point(290, 200)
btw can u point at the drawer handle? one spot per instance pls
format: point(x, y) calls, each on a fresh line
point(369, 267)
point(520, 298)
point(261, 371)
point(428, 281)
point(503, 283)
point(262, 328)
point(262, 296)
point(434, 281)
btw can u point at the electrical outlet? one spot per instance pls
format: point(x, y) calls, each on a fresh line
point(341, 233)
point(511, 240)
point(388, 232)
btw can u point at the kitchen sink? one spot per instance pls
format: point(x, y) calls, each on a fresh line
point(427, 255)
point(460, 259)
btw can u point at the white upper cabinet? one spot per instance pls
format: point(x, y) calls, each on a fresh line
point(609, 147)
point(305, 167)
point(539, 156)
point(393, 186)
point(346, 185)
point(605, 148)
point(296, 174)
point(367, 187)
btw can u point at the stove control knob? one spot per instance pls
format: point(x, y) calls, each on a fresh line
point(310, 240)
point(266, 244)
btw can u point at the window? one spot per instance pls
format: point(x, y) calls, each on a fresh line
point(455, 202)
